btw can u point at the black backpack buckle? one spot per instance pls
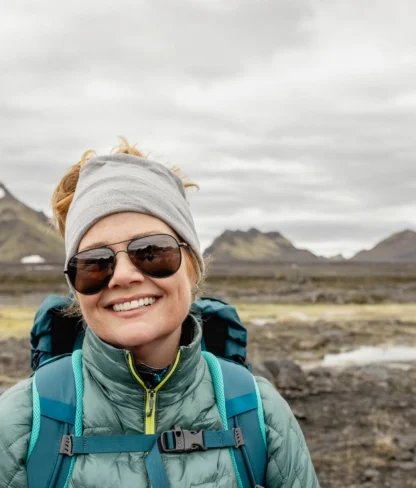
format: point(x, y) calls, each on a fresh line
point(184, 440)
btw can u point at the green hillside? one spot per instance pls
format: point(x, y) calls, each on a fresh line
point(255, 246)
point(26, 232)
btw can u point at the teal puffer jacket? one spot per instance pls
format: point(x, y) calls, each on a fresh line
point(115, 403)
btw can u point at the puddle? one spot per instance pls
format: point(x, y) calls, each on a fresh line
point(370, 354)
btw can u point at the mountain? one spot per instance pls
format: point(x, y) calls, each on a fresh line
point(259, 247)
point(398, 248)
point(338, 258)
point(26, 233)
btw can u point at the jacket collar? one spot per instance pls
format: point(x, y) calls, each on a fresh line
point(109, 367)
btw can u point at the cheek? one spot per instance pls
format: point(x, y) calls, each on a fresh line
point(179, 293)
point(87, 304)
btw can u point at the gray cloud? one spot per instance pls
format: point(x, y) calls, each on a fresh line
point(293, 116)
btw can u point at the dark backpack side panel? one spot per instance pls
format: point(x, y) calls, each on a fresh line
point(65, 332)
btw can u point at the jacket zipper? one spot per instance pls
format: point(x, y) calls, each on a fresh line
point(151, 395)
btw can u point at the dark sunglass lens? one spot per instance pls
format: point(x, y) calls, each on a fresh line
point(90, 271)
point(158, 256)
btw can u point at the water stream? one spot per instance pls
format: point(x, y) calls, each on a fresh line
point(371, 354)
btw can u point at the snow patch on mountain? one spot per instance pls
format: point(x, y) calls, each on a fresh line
point(33, 259)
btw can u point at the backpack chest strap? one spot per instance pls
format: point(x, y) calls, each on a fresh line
point(172, 441)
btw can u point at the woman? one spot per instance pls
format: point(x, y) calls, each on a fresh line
point(140, 334)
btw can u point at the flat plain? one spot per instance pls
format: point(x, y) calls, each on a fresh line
point(359, 418)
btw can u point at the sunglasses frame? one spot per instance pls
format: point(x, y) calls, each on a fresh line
point(180, 244)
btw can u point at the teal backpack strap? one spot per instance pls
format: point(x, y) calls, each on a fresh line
point(172, 441)
point(57, 412)
point(239, 404)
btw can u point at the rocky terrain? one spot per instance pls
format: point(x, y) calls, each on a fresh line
point(14, 361)
point(333, 283)
point(359, 421)
point(309, 342)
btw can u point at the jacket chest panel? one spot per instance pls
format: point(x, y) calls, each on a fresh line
point(101, 416)
point(196, 410)
point(199, 469)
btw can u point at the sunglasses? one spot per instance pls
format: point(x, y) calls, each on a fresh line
point(157, 256)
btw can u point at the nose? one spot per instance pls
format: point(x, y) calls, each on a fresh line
point(125, 273)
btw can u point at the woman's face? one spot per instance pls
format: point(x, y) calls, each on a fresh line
point(140, 326)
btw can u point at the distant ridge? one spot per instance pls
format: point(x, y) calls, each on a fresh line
point(257, 247)
point(26, 233)
point(397, 248)
point(27, 236)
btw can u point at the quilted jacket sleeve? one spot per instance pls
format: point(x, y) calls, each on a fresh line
point(15, 429)
point(289, 461)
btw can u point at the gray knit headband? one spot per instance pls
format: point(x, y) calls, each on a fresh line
point(126, 183)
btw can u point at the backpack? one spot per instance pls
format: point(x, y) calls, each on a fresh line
point(57, 440)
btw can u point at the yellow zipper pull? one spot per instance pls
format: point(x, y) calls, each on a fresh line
point(151, 403)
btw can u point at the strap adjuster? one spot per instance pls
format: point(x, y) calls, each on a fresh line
point(184, 440)
point(239, 438)
point(66, 445)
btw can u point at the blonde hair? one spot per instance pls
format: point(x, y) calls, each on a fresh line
point(64, 193)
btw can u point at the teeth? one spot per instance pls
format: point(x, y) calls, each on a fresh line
point(142, 302)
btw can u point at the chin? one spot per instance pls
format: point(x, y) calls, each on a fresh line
point(134, 330)
point(134, 336)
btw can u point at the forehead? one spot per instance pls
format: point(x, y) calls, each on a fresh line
point(122, 226)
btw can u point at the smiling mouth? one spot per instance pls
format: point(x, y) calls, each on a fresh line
point(133, 305)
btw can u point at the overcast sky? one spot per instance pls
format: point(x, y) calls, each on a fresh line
point(294, 116)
